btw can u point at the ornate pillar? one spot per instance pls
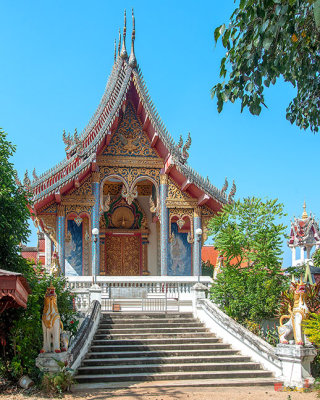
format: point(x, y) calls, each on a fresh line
point(48, 251)
point(61, 220)
point(164, 224)
point(197, 242)
point(95, 218)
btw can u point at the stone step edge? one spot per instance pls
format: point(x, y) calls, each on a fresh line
point(140, 366)
point(228, 351)
point(178, 373)
point(231, 382)
point(165, 359)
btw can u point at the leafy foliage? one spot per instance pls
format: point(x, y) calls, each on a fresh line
point(24, 325)
point(311, 327)
point(59, 382)
point(14, 214)
point(265, 40)
point(247, 235)
point(316, 258)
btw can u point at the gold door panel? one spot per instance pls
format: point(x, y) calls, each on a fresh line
point(122, 255)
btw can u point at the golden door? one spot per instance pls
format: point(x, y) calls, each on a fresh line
point(122, 255)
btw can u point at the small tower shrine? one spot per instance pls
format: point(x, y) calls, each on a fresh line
point(304, 234)
point(124, 201)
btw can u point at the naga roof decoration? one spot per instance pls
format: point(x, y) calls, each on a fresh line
point(82, 149)
point(304, 231)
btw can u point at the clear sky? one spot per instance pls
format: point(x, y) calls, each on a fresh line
point(56, 59)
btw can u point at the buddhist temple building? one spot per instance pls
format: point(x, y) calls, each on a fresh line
point(124, 201)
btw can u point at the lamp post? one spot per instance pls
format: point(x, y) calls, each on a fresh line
point(95, 233)
point(198, 249)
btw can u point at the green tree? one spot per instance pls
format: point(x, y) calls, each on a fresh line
point(14, 214)
point(248, 235)
point(265, 40)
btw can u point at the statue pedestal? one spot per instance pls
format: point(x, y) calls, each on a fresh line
point(296, 362)
point(46, 361)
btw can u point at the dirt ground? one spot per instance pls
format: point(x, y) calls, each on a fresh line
point(205, 393)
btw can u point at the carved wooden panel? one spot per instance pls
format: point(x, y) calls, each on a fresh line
point(122, 255)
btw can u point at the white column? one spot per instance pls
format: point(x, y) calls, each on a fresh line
point(293, 261)
point(302, 254)
point(48, 251)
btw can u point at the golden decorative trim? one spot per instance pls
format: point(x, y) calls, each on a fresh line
point(78, 200)
point(163, 179)
point(120, 161)
point(95, 177)
point(61, 210)
point(181, 203)
point(197, 212)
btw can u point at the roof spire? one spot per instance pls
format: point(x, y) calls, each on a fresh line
point(119, 44)
point(115, 50)
point(124, 53)
point(304, 214)
point(132, 58)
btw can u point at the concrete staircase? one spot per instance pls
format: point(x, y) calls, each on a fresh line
point(166, 350)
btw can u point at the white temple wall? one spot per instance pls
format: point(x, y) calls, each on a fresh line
point(152, 246)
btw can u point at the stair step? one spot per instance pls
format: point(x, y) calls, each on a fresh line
point(155, 336)
point(165, 360)
point(139, 368)
point(164, 353)
point(138, 325)
point(182, 383)
point(154, 340)
point(147, 316)
point(172, 376)
point(178, 346)
point(125, 331)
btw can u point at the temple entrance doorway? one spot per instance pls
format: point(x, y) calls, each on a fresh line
point(123, 254)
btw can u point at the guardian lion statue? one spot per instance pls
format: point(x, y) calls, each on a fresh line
point(51, 323)
point(299, 312)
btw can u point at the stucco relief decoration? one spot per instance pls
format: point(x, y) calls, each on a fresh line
point(78, 221)
point(206, 216)
point(125, 216)
point(106, 203)
point(174, 192)
point(130, 194)
point(129, 138)
point(154, 209)
point(182, 215)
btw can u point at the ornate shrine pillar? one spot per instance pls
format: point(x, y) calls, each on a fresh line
point(95, 218)
point(197, 242)
point(48, 251)
point(164, 224)
point(61, 221)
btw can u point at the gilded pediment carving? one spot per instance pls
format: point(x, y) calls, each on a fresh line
point(129, 138)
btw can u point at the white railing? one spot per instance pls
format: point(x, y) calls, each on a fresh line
point(136, 287)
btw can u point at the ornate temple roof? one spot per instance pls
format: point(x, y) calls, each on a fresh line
point(304, 230)
point(125, 81)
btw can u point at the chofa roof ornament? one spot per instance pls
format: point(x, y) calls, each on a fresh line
point(124, 53)
point(132, 58)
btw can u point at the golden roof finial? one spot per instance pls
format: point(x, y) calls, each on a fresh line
point(304, 214)
point(124, 53)
point(132, 58)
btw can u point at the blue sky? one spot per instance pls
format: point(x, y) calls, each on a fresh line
point(56, 59)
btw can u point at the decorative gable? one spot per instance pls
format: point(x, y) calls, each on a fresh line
point(129, 138)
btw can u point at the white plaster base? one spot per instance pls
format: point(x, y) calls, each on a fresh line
point(46, 361)
point(296, 362)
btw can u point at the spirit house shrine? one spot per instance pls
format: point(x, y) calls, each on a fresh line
point(124, 201)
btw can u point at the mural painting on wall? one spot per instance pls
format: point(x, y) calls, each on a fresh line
point(74, 249)
point(179, 253)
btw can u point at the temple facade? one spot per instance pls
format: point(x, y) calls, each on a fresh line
point(124, 201)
